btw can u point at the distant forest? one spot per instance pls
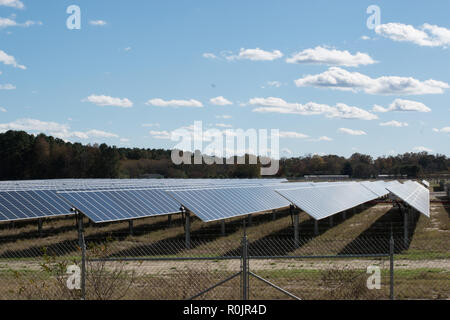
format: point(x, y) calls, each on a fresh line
point(26, 156)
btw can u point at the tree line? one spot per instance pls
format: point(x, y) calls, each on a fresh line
point(26, 156)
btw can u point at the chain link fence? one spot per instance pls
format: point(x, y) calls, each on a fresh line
point(266, 268)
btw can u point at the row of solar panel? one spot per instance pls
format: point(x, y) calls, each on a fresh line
point(209, 201)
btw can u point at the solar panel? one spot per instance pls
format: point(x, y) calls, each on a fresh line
point(33, 204)
point(324, 201)
point(414, 194)
point(117, 205)
point(213, 204)
point(377, 187)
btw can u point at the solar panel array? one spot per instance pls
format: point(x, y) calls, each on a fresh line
point(104, 200)
point(217, 204)
point(324, 201)
point(414, 194)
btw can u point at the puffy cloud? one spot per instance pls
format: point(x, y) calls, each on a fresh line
point(224, 116)
point(256, 55)
point(3, 109)
point(394, 123)
point(174, 103)
point(151, 125)
point(333, 57)
point(98, 23)
point(209, 55)
point(402, 106)
point(55, 129)
point(7, 86)
point(352, 132)
point(427, 35)
point(102, 100)
point(422, 149)
point(163, 135)
point(340, 79)
point(292, 135)
point(220, 101)
point(8, 22)
point(323, 138)
point(12, 3)
point(223, 125)
point(275, 84)
point(443, 130)
point(341, 110)
point(10, 60)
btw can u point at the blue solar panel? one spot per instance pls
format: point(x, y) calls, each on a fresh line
point(213, 204)
point(116, 205)
point(33, 204)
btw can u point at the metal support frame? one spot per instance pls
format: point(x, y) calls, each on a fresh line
point(244, 266)
point(344, 215)
point(331, 221)
point(222, 227)
point(40, 222)
point(187, 227)
point(169, 220)
point(274, 215)
point(405, 227)
point(130, 227)
point(296, 227)
point(250, 220)
point(316, 227)
point(391, 267)
point(82, 244)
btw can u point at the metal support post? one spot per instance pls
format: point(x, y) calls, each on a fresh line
point(83, 255)
point(331, 221)
point(169, 220)
point(391, 267)
point(316, 227)
point(40, 227)
point(222, 227)
point(245, 270)
point(130, 226)
point(296, 231)
point(405, 228)
point(249, 220)
point(187, 230)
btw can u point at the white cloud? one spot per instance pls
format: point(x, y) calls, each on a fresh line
point(341, 110)
point(208, 55)
point(427, 35)
point(10, 60)
point(12, 3)
point(394, 123)
point(256, 55)
point(323, 138)
point(223, 125)
point(340, 79)
point(292, 134)
point(8, 22)
point(402, 106)
point(352, 132)
point(333, 57)
point(127, 49)
point(150, 125)
point(443, 130)
point(365, 37)
point(98, 23)
point(3, 109)
point(102, 100)
point(174, 103)
point(224, 116)
point(55, 129)
point(422, 149)
point(274, 84)
point(7, 86)
point(163, 135)
point(220, 101)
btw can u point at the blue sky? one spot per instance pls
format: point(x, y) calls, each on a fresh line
point(137, 70)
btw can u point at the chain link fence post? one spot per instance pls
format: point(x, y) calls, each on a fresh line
point(391, 267)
